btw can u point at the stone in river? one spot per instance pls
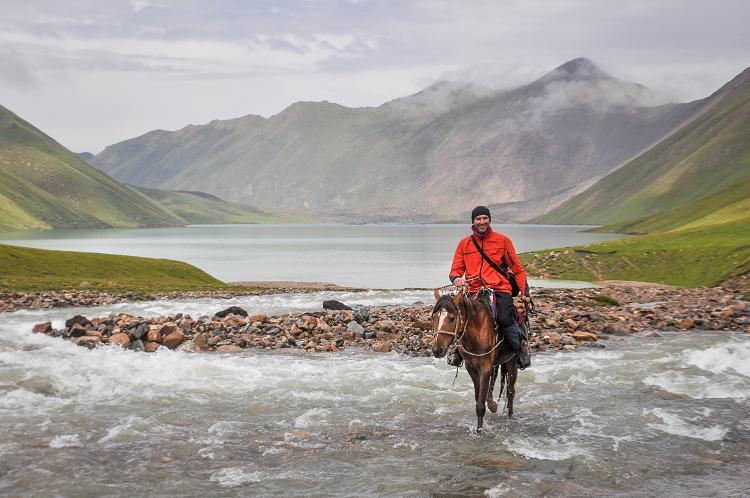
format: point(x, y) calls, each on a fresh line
point(88, 341)
point(42, 328)
point(137, 345)
point(78, 319)
point(232, 310)
point(153, 334)
point(200, 341)
point(332, 304)
point(228, 348)
point(369, 334)
point(77, 330)
point(139, 331)
point(188, 347)
point(614, 329)
point(258, 317)
point(685, 324)
point(173, 339)
point(382, 347)
point(150, 347)
point(122, 339)
point(361, 314)
point(579, 335)
point(355, 328)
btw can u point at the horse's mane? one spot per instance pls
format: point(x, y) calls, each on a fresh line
point(446, 302)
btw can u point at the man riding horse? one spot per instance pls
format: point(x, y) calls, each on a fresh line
point(482, 260)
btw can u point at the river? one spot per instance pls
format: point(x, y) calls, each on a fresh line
point(661, 416)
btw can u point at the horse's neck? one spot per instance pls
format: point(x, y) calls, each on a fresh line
point(481, 321)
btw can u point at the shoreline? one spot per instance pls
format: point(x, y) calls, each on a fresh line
point(566, 319)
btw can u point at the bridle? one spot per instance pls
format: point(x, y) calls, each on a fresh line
point(456, 342)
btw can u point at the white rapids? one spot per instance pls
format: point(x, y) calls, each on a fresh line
point(652, 416)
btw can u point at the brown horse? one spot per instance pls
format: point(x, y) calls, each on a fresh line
point(467, 324)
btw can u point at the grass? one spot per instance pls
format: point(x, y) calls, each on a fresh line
point(704, 256)
point(24, 269)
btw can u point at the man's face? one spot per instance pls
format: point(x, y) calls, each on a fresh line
point(482, 223)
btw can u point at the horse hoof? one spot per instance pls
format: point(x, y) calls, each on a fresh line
point(492, 406)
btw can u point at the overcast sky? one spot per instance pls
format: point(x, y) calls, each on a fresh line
point(94, 72)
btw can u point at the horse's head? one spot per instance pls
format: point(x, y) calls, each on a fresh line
point(446, 322)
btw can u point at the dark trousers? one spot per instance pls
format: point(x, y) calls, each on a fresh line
point(506, 318)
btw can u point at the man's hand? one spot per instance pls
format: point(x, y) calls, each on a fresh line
point(525, 299)
point(460, 282)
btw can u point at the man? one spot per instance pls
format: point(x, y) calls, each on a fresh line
point(470, 269)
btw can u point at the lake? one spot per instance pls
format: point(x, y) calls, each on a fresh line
point(371, 256)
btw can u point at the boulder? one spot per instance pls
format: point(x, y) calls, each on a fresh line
point(200, 341)
point(332, 304)
point(77, 330)
point(362, 314)
point(188, 347)
point(685, 324)
point(137, 345)
point(153, 334)
point(382, 347)
point(355, 328)
point(228, 348)
point(615, 329)
point(150, 347)
point(88, 341)
point(579, 335)
point(173, 339)
point(258, 317)
point(122, 339)
point(139, 331)
point(552, 337)
point(232, 310)
point(42, 328)
point(78, 319)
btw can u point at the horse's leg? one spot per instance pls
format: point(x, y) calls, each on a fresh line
point(512, 376)
point(484, 385)
point(503, 378)
point(491, 404)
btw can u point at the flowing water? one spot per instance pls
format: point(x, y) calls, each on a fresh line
point(663, 416)
point(374, 256)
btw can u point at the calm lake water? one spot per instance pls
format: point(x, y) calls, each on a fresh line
point(648, 416)
point(373, 256)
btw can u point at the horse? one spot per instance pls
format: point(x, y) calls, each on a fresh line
point(466, 324)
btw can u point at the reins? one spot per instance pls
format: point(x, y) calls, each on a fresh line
point(456, 344)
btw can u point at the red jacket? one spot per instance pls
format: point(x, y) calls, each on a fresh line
point(468, 262)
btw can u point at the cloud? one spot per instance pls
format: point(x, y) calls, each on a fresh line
point(14, 71)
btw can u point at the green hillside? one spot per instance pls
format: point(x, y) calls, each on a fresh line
point(43, 186)
point(200, 208)
point(25, 269)
point(695, 257)
point(707, 156)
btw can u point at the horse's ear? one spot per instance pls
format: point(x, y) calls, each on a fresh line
point(437, 294)
point(458, 297)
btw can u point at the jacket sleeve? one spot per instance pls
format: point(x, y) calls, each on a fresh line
point(458, 268)
point(515, 265)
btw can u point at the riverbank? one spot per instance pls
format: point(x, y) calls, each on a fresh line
point(566, 319)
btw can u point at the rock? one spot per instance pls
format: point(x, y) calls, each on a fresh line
point(77, 331)
point(258, 317)
point(422, 324)
point(121, 339)
point(42, 328)
point(173, 339)
point(188, 347)
point(168, 328)
point(553, 337)
point(78, 319)
point(355, 328)
point(579, 335)
point(232, 310)
point(332, 304)
point(150, 347)
point(382, 347)
point(685, 324)
point(139, 331)
point(153, 334)
point(137, 345)
point(615, 329)
point(361, 314)
point(200, 341)
point(369, 334)
point(89, 341)
point(569, 347)
point(228, 348)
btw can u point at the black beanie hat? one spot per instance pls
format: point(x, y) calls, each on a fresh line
point(478, 211)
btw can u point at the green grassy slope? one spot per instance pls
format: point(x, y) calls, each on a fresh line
point(729, 205)
point(694, 257)
point(43, 185)
point(202, 208)
point(707, 156)
point(25, 269)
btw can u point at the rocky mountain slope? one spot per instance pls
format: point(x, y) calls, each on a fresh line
point(673, 182)
point(432, 155)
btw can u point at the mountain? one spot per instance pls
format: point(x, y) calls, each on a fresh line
point(674, 180)
point(86, 156)
point(431, 155)
point(43, 185)
point(199, 208)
